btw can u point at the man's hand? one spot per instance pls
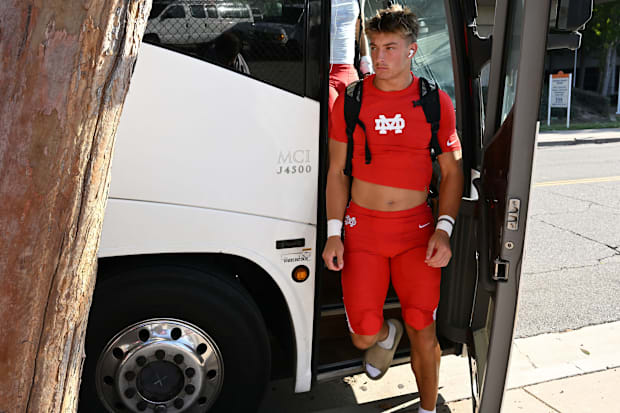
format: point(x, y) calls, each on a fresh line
point(333, 249)
point(438, 253)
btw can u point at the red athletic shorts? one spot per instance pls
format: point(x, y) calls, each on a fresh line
point(340, 75)
point(378, 245)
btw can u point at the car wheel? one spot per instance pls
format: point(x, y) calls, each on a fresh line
point(174, 339)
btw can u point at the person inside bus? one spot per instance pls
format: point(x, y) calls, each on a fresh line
point(226, 50)
point(389, 227)
point(347, 26)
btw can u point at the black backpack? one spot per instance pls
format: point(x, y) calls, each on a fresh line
point(429, 100)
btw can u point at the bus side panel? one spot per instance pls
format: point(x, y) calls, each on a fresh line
point(134, 228)
point(193, 133)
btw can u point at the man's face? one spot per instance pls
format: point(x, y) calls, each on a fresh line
point(391, 54)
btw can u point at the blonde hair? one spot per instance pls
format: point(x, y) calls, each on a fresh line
point(395, 19)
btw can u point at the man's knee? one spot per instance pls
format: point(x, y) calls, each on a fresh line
point(423, 341)
point(363, 342)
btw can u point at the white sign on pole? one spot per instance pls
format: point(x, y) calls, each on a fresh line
point(559, 94)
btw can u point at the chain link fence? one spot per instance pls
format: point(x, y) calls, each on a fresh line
point(263, 39)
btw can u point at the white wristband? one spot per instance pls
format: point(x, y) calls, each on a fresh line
point(448, 217)
point(445, 225)
point(334, 228)
point(365, 65)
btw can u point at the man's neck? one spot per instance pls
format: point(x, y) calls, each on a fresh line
point(400, 82)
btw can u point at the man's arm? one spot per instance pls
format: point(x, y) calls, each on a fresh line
point(365, 62)
point(439, 253)
point(337, 194)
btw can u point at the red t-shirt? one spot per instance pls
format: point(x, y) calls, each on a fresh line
point(398, 136)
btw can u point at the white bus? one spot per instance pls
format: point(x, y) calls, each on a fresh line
point(210, 279)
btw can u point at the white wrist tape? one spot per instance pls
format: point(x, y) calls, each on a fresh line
point(365, 64)
point(334, 228)
point(446, 223)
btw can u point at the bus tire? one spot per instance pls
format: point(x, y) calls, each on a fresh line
point(213, 305)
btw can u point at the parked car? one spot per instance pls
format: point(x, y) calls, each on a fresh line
point(196, 22)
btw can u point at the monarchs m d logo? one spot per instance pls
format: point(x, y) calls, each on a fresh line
point(383, 124)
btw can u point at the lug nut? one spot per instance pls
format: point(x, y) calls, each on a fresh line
point(178, 358)
point(178, 403)
point(189, 389)
point(130, 375)
point(118, 353)
point(161, 408)
point(160, 354)
point(130, 392)
point(141, 361)
point(141, 406)
point(189, 372)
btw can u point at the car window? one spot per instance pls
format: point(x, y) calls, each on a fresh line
point(174, 12)
point(212, 11)
point(197, 11)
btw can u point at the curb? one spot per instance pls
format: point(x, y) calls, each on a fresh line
point(577, 141)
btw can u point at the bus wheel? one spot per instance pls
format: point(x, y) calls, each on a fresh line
point(174, 339)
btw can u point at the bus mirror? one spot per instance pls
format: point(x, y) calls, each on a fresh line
point(569, 15)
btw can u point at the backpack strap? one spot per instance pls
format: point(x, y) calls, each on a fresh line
point(352, 107)
point(429, 100)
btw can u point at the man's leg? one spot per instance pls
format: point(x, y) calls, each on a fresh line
point(365, 281)
point(417, 286)
point(365, 342)
point(425, 359)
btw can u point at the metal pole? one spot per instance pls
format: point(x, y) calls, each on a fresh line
point(549, 102)
point(570, 92)
point(618, 110)
point(575, 69)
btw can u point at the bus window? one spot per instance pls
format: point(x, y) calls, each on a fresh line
point(513, 47)
point(269, 49)
point(433, 59)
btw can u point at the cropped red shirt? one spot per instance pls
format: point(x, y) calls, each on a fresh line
point(398, 136)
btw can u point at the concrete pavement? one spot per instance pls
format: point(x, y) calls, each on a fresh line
point(572, 371)
point(576, 137)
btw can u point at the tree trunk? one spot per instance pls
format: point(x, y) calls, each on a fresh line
point(608, 70)
point(64, 72)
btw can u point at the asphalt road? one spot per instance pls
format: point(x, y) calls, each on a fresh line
point(571, 270)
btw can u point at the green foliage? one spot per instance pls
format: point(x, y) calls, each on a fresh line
point(603, 31)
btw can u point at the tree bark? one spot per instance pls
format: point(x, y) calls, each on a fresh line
point(65, 67)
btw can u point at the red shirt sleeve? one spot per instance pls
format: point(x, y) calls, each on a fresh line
point(448, 138)
point(337, 124)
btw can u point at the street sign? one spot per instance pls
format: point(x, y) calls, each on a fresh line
point(559, 94)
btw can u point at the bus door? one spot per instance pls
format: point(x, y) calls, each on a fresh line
point(519, 41)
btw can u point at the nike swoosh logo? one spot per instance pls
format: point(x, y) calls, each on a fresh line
point(425, 225)
point(450, 143)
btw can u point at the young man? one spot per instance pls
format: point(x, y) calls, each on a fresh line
point(389, 231)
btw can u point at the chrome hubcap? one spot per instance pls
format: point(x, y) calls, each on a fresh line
point(160, 365)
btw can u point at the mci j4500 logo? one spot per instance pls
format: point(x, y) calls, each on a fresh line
point(294, 162)
point(396, 124)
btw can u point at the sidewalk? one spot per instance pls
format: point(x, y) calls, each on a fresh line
point(576, 137)
point(573, 371)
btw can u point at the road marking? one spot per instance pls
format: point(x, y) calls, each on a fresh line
point(578, 181)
